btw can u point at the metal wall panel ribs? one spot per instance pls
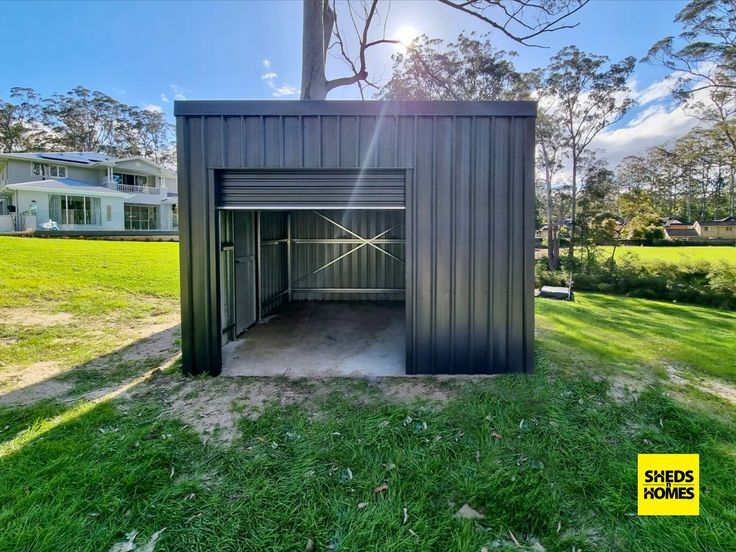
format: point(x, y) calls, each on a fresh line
point(469, 219)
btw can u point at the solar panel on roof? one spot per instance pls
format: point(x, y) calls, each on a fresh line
point(68, 157)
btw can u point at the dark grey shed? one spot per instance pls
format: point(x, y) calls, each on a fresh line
point(438, 198)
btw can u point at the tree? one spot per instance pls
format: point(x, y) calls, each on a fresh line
point(20, 121)
point(640, 219)
point(83, 120)
point(596, 224)
point(587, 97)
point(152, 136)
point(87, 120)
point(325, 29)
point(703, 58)
point(549, 162)
point(466, 69)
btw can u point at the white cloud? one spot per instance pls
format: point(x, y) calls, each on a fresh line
point(269, 77)
point(285, 90)
point(655, 125)
point(661, 121)
point(658, 90)
point(153, 107)
point(179, 92)
point(165, 98)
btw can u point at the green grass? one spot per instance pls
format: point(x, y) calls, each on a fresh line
point(618, 334)
point(107, 289)
point(80, 475)
point(87, 277)
point(80, 479)
point(681, 255)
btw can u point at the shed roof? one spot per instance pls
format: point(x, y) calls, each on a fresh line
point(352, 107)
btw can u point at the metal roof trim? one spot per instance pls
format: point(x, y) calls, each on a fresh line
point(204, 108)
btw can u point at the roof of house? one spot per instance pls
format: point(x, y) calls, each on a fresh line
point(728, 221)
point(67, 186)
point(82, 158)
point(682, 233)
point(675, 222)
point(76, 157)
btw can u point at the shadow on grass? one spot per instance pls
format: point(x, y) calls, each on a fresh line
point(100, 375)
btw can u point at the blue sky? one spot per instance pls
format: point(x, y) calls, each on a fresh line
point(149, 53)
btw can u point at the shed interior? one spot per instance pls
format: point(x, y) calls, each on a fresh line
point(309, 292)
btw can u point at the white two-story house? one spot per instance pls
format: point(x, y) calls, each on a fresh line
point(85, 191)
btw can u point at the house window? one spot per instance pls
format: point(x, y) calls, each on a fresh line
point(109, 213)
point(141, 217)
point(130, 179)
point(57, 171)
point(41, 169)
point(706, 228)
point(729, 228)
point(78, 210)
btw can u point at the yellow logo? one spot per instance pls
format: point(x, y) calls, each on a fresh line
point(669, 484)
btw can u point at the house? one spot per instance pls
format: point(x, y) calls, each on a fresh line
point(85, 191)
point(720, 229)
point(678, 230)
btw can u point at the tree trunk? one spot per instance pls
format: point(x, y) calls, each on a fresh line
point(553, 243)
point(571, 251)
point(318, 22)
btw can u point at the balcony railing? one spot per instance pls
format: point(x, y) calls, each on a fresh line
point(130, 189)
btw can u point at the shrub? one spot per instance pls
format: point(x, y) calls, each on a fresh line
point(703, 283)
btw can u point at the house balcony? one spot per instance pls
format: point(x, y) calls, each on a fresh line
point(148, 190)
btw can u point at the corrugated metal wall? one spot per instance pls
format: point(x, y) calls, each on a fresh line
point(469, 213)
point(365, 267)
point(273, 263)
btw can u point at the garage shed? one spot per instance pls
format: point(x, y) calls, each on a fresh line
point(356, 237)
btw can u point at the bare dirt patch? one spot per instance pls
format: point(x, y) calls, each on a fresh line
point(710, 386)
point(25, 385)
point(212, 407)
point(623, 388)
point(33, 383)
point(32, 317)
point(402, 390)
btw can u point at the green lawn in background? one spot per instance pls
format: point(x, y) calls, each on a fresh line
point(675, 254)
point(87, 277)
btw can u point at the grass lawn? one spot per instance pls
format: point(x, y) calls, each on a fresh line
point(548, 459)
point(620, 335)
point(680, 255)
point(65, 303)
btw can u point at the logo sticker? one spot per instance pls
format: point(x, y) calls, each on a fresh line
point(669, 484)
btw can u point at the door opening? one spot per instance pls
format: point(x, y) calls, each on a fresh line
point(315, 292)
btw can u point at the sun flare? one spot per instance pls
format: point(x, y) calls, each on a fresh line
point(406, 35)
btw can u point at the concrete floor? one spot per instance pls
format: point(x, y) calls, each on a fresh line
point(321, 338)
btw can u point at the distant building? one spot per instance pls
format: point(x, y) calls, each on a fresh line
point(720, 229)
point(85, 191)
